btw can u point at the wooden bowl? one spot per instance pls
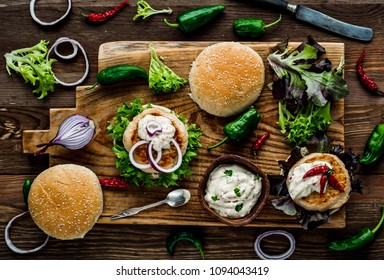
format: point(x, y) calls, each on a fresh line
point(234, 159)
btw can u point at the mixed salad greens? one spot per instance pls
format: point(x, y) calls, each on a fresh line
point(305, 83)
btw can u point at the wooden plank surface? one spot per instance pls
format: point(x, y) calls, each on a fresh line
point(100, 105)
point(20, 110)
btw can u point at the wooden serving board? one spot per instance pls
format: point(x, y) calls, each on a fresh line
point(100, 104)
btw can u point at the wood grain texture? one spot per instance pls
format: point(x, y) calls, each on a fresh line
point(23, 111)
point(101, 103)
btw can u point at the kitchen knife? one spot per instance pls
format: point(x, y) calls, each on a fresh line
point(321, 20)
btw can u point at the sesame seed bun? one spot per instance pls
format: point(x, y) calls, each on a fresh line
point(226, 78)
point(65, 201)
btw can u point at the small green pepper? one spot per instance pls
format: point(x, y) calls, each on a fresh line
point(240, 128)
point(26, 187)
point(186, 236)
point(364, 238)
point(251, 27)
point(374, 147)
point(117, 73)
point(193, 19)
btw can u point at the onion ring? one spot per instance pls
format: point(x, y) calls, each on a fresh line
point(75, 45)
point(11, 246)
point(44, 23)
point(153, 127)
point(158, 168)
point(140, 165)
point(281, 256)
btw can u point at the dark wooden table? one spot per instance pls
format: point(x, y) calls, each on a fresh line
point(20, 110)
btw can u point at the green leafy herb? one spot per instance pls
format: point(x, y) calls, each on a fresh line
point(32, 65)
point(144, 10)
point(304, 122)
point(238, 207)
point(296, 68)
point(214, 197)
point(124, 116)
point(237, 192)
point(161, 78)
point(228, 172)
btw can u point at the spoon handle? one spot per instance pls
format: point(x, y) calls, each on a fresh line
point(133, 211)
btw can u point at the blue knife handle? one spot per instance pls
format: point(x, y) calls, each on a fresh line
point(276, 3)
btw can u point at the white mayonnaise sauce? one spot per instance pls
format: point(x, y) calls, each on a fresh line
point(161, 139)
point(232, 190)
point(299, 187)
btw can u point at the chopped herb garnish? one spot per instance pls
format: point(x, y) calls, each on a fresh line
point(258, 177)
point(228, 172)
point(237, 192)
point(214, 197)
point(239, 207)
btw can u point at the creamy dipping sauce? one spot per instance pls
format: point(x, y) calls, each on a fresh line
point(161, 139)
point(299, 187)
point(232, 190)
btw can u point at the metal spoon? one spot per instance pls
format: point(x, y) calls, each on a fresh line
point(175, 198)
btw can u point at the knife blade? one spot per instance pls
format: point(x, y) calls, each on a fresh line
point(322, 20)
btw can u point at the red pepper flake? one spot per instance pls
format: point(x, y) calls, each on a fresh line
point(367, 82)
point(114, 183)
point(100, 17)
point(259, 142)
point(317, 170)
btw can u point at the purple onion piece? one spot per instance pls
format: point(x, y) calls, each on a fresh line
point(153, 127)
point(74, 133)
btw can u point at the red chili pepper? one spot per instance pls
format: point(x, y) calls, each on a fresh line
point(259, 142)
point(114, 183)
point(334, 183)
point(323, 181)
point(317, 170)
point(367, 82)
point(100, 17)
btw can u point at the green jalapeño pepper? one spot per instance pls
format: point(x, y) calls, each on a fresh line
point(364, 238)
point(374, 147)
point(184, 236)
point(26, 187)
point(251, 27)
point(240, 128)
point(117, 73)
point(193, 19)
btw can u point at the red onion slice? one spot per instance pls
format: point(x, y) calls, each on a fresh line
point(44, 23)
point(282, 256)
point(75, 45)
point(140, 165)
point(11, 246)
point(153, 127)
point(158, 168)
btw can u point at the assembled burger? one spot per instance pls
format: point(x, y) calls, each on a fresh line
point(153, 144)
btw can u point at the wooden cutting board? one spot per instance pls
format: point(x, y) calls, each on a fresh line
point(100, 104)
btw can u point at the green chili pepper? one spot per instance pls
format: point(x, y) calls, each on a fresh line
point(186, 236)
point(193, 19)
point(364, 238)
point(251, 27)
point(26, 187)
point(117, 73)
point(240, 128)
point(374, 147)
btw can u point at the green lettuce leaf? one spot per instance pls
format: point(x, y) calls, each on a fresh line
point(130, 173)
point(32, 65)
